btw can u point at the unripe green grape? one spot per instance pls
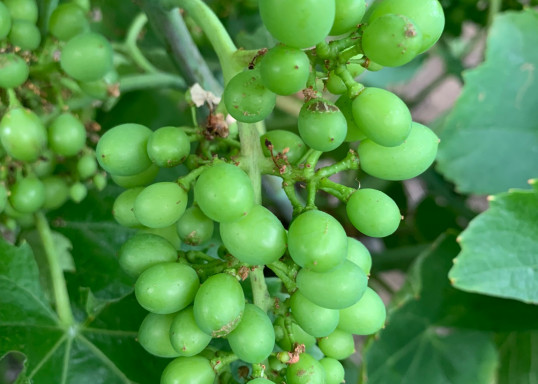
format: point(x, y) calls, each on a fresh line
point(335, 84)
point(100, 181)
point(338, 288)
point(354, 133)
point(143, 251)
point(153, 335)
point(299, 23)
point(315, 320)
point(122, 150)
point(339, 345)
point(56, 192)
point(366, 316)
point(219, 305)
point(168, 147)
point(27, 195)
point(166, 287)
point(382, 116)
point(87, 166)
point(87, 57)
point(373, 213)
point(241, 237)
point(306, 371)
point(284, 142)
point(5, 21)
point(260, 380)
point(137, 180)
point(24, 35)
point(160, 205)
point(67, 21)
point(102, 88)
point(253, 339)
point(247, 99)
point(13, 70)
point(168, 233)
point(122, 210)
point(285, 70)
point(23, 10)
point(349, 14)
point(78, 192)
point(224, 192)
point(186, 336)
point(45, 164)
point(188, 370)
point(322, 125)
point(83, 4)
point(358, 254)
point(195, 228)
point(67, 135)
point(334, 370)
point(317, 241)
point(403, 162)
point(22, 134)
point(391, 40)
point(299, 335)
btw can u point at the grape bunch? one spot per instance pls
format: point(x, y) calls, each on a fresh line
point(49, 79)
point(213, 312)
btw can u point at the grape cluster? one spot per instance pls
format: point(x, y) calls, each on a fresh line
point(47, 132)
point(201, 312)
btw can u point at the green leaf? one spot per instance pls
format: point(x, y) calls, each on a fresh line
point(499, 249)
point(494, 125)
point(518, 358)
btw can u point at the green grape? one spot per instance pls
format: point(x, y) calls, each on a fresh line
point(260, 380)
point(144, 250)
point(382, 116)
point(338, 288)
point(13, 70)
point(87, 57)
point(306, 371)
point(349, 14)
point(299, 335)
point(224, 192)
point(188, 370)
point(241, 237)
point(219, 305)
point(56, 192)
point(103, 88)
point(315, 320)
point(247, 99)
point(23, 10)
point(166, 287)
point(3, 196)
point(285, 70)
point(153, 335)
point(284, 142)
point(373, 213)
point(27, 195)
point(427, 15)
point(195, 228)
point(121, 151)
point(403, 162)
point(168, 233)
point(87, 166)
point(24, 35)
point(168, 147)
point(78, 192)
point(137, 180)
point(100, 181)
point(354, 133)
point(122, 210)
point(334, 370)
point(322, 125)
point(253, 339)
point(298, 23)
point(365, 317)
point(358, 254)
point(67, 21)
point(84, 4)
point(391, 40)
point(335, 84)
point(22, 134)
point(160, 205)
point(45, 164)
point(317, 241)
point(186, 336)
point(339, 345)
point(67, 135)
point(5, 21)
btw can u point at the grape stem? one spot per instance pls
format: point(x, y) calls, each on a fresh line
point(132, 48)
point(221, 361)
point(283, 273)
point(12, 99)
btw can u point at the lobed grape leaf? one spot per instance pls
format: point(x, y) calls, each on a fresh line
point(518, 358)
point(499, 254)
point(494, 124)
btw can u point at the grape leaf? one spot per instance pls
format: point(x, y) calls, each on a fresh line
point(494, 124)
point(499, 254)
point(518, 358)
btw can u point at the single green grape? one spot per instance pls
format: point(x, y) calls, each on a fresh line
point(87, 166)
point(349, 14)
point(27, 195)
point(306, 371)
point(122, 209)
point(242, 237)
point(168, 233)
point(298, 23)
point(22, 134)
point(87, 57)
point(373, 212)
point(5, 21)
point(153, 335)
point(186, 336)
point(335, 84)
point(358, 254)
point(299, 335)
point(188, 370)
point(67, 21)
point(285, 70)
point(100, 181)
point(25, 35)
point(103, 88)
point(317, 241)
point(403, 162)
point(322, 125)
point(13, 70)
point(339, 345)
point(260, 380)
point(247, 99)
point(78, 192)
point(366, 316)
point(23, 10)
point(168, 147)
point(382, 116)
point(334, 370)
point(143, 251)
point(67, 135)
point(195, 228)
point(354, 133)
point(284, 142)
point(315, 320)
point(56, 192)
point(160, 205)
point(138, 179)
